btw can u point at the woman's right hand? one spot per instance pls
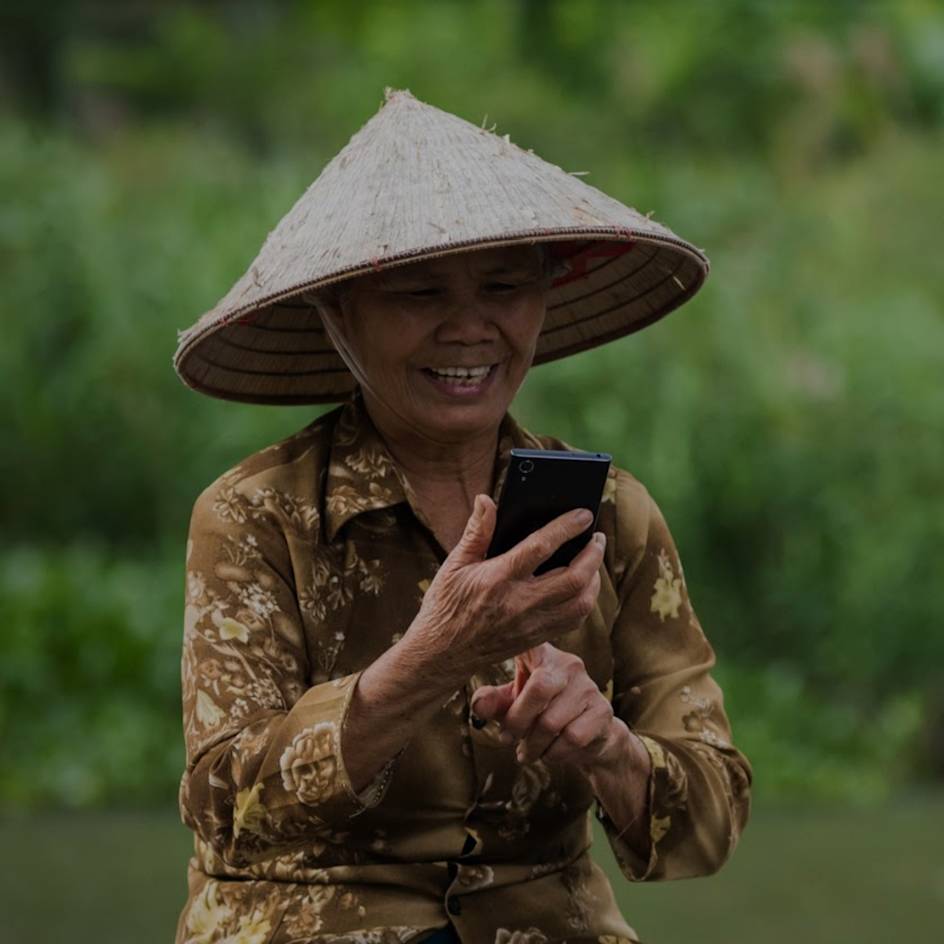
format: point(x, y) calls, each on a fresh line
point(478, 612)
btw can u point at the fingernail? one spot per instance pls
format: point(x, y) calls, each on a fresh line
point(600, 538)
point(477, 722)
point(584, 516)
point(519, 753)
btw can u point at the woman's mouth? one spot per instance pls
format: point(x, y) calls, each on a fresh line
point(461, 381)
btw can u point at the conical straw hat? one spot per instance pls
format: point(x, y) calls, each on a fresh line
point(416, 182)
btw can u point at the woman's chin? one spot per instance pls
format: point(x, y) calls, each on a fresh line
point(459, 422)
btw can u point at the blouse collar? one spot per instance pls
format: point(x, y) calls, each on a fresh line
point(362, 475)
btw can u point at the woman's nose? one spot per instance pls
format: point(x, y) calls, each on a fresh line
point(468, 320)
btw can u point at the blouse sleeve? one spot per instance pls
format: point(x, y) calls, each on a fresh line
point(264, 769)
point(699, 786)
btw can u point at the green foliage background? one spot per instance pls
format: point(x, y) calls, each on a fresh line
point(788, 420)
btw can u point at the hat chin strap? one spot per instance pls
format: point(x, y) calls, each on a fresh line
point(336, 334)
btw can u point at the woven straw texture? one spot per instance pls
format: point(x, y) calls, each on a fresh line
point(416, 182)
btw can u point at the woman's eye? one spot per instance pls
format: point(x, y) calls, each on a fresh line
point(420, 292)
point(501, 287)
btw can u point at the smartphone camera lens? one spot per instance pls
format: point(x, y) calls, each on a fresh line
point(525, 466)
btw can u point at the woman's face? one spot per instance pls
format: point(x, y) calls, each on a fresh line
point(447, 342)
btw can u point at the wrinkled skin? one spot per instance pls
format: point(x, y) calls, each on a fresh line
point(477, 612)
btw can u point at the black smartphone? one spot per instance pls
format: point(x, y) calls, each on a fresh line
point(542, 484)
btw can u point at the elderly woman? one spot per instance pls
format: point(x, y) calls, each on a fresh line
point(391, 736)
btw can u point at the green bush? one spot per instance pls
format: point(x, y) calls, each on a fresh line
point(89, 679)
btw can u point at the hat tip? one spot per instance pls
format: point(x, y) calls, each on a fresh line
point(390, 92)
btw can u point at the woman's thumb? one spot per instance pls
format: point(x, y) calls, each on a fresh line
point(491, 702)
point(473, 545)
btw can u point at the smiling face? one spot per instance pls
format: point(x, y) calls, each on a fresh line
point(447, 342)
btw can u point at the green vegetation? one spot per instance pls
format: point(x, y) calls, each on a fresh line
point(788, 420)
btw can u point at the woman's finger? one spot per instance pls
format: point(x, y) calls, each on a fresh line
point(562, 711)
point(581, 741)
point(541, 688)
point(491, 702)
point(525, 557)
point(564, 583)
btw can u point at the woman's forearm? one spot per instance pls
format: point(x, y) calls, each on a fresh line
point(620, 781)
point(396, 696)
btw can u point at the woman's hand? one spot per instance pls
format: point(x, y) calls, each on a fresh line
point(553, 709)
point(479, 612)
point(558, 715)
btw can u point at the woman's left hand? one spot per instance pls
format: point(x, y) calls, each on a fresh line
point(553, 708)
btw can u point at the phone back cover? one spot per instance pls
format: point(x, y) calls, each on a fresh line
point(557, 483)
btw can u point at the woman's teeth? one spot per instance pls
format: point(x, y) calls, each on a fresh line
point(468, 375)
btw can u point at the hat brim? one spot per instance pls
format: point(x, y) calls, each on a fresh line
point(276, 351)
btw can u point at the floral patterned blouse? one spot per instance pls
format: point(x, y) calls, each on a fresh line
point(304, 563)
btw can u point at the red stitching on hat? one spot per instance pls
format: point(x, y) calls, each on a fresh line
point(602, 249)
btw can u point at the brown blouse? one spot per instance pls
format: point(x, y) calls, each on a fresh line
point(304, 563)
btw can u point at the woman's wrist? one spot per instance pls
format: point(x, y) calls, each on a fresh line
point(410, 679)
point(422, 653)
point(623, 750)
point(394, 698)
point(620, 780)
point(396, 695)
